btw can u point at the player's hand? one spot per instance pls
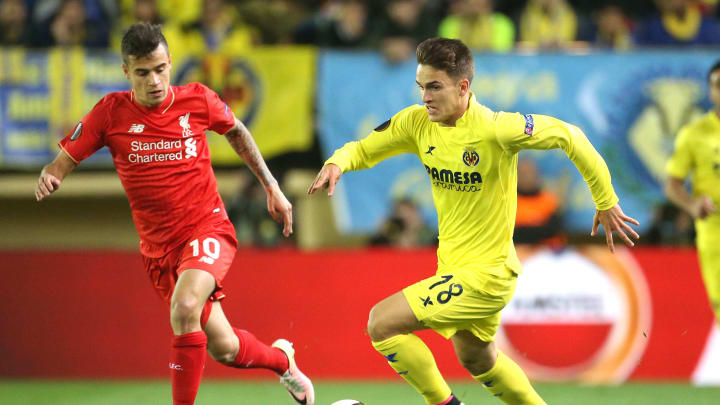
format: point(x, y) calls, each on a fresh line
point(327, 178)
point(615, 220)
point(702, 207)
point(279, 208)
point(47, 183)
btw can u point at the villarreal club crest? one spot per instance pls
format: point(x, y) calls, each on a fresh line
point(470, 157)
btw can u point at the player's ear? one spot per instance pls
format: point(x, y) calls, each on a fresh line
point(126, 70)
point(464, 87)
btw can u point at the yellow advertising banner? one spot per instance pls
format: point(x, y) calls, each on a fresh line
point(270, 89)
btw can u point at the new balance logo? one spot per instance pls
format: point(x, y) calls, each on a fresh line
point(136, 128)
point(430, 149)
point(208, 260)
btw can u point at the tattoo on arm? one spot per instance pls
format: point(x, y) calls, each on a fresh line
point(244, 145)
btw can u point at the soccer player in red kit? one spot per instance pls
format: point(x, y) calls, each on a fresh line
point(156, 135)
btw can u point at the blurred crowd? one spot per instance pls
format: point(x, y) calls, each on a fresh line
point(392, 26)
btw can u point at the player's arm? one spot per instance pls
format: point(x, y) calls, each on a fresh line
point(698, 208)
point(679, 166)
point(391, 138)
point(356, 155)
point(53, 174)
point(244, 145)
point(516, 132)
point(85, 139)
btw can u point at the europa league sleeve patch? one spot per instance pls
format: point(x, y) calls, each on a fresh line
point(383, 126)
point(529, 124)
point(78, 131)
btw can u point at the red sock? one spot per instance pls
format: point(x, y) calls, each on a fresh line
point(187, 361)
point(256, 354)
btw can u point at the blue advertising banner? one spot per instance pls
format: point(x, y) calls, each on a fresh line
point(44, 94)
point(629, 105)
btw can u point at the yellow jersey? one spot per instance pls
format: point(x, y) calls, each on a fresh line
point(697, 154)
point(473, 171)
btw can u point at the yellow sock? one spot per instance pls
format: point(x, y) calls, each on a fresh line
point(508, 382)
point(411, 358)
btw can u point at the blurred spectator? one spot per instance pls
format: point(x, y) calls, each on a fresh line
point(219, 30)
point(146, 11)
point(96, 11)
point(180, 12)
point(402, 25)
point(613, 28)
point(538, 218)
point(475, 23)
point(274, 20)
point(70, 24)
point(548, 24)
point(405, 227)
point(141, 11)
point(679, 22)
point(172, 11)
point(708, 7)
point(339, 24)
point(670, 226)
point(13, 23)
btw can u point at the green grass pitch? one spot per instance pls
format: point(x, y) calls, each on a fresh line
point(41, 392)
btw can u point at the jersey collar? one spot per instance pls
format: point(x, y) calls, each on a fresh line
point(466, 118)
point(161, 108)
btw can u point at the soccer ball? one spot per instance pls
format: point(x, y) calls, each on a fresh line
point(347, 402)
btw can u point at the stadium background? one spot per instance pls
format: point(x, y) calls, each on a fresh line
point(74, 295)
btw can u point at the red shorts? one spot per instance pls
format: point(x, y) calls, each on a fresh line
point(211, 250)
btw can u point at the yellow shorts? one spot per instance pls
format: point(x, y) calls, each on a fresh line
point(462, 299)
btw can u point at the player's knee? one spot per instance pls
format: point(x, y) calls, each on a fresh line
point(185, 308)
point(379, 327)
point(223, 350)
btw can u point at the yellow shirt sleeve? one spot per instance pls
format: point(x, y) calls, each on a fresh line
point(680, 163)
point(391, 138)
point(532, 131)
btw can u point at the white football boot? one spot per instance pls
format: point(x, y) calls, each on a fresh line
point(298, 385)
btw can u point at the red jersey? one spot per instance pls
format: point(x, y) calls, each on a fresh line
point(162, 157)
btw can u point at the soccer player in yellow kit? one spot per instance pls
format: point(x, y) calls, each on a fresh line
point(470, 155)
point(697, 154)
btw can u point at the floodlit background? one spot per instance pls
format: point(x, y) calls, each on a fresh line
point(79, 322)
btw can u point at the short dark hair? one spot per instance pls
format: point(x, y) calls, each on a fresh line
point(141, 39)
point(449, 55)
point(714, 67)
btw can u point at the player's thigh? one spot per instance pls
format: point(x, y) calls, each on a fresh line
point(193, 288)
point(392, 316)
point(461, 300)
point(211, 252)
point(223, 344)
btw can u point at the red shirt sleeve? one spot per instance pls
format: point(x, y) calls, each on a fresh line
point(88, 135)
point(220, 118)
